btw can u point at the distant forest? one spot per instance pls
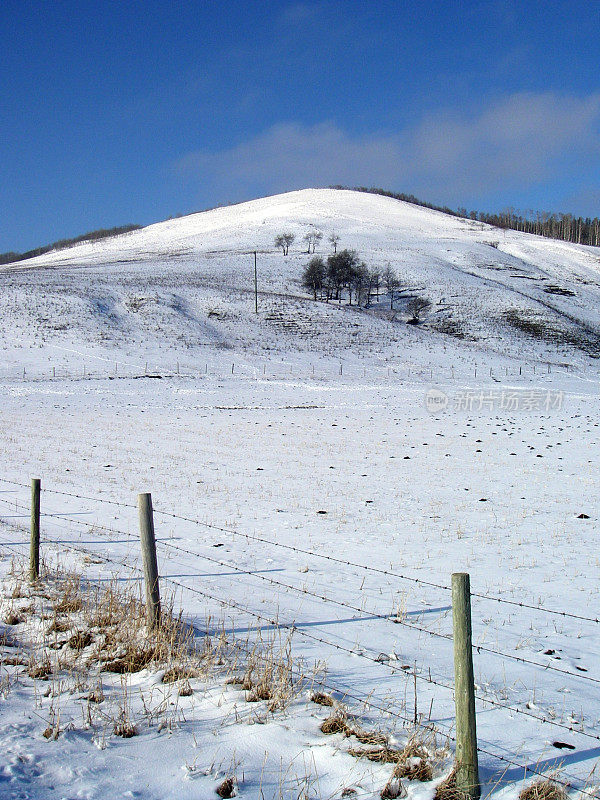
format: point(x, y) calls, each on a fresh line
point(580, 230)
point(101, 233)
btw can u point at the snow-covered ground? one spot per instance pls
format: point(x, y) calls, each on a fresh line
point(305, 436)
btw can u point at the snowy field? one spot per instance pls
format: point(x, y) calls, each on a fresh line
point(307, 483)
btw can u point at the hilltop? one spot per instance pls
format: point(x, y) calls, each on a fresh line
point(186, 286)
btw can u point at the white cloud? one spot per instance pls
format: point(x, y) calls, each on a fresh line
point(513, 143)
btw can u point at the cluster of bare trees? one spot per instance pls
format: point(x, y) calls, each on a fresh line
point(285, 240)
point(342, 271)
point(313, 238)
point(344, 274)
point(579, 230)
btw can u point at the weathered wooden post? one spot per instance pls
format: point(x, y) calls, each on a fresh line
point(467, 767)
point(255, 285)
point(149, 559)
point(34, 547)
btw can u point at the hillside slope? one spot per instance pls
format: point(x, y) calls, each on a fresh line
point(185, 286)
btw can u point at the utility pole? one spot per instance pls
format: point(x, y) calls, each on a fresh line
point(255, 286)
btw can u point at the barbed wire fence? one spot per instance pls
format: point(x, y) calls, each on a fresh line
point(98, 535)
point(274, 369)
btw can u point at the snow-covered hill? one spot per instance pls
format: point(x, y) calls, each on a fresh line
point(183, 289)
point(305, 486)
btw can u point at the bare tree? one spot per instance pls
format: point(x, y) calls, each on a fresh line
point(313, 277)
point(416, 308)
point(391, 283)
point(334, 239)
point(372, 285)
point(341, 271)
point(312, 239)
point(284, 240)
point(361, 284)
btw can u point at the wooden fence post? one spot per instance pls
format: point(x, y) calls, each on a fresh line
point(149, 559)
point(467, 768)
point(34, 548)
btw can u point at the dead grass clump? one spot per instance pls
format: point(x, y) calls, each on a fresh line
point(448, 790)
point(414, 762)
point(12, 617)
point(177, 673)
point(336, 723)
point(262, 692)
point(39, 672)
point(134, 660)
point(69, 605)
point(96, 695)
point(125, 729)
point(185, 689)
point(13, 661)
point(545, 789)
point(226, 788)
point(393, 789)
point(381, 755)
point(370, 737)
point(322, 699)
point(269, 675)
point(68, 599)
point(59, 626)
point(418, 769)
point(80, 640)
point(246, 682)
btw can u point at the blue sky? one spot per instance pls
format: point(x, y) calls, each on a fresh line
point(119, 112)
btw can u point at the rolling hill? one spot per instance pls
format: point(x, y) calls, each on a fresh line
point(184, 288)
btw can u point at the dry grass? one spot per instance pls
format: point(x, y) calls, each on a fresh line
point(381, 755)
point(393, 789)
point(413, 762)
point(125, 729)
point(80, 640)
point(178, 673)
point(59, 626)
point(336, 723)
point(40, 671)
point(322, 699)
point(546, 789)
point(13, 618)
point(448, 790)
point(226, 788)
point(270, 675)
point(81, 631)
